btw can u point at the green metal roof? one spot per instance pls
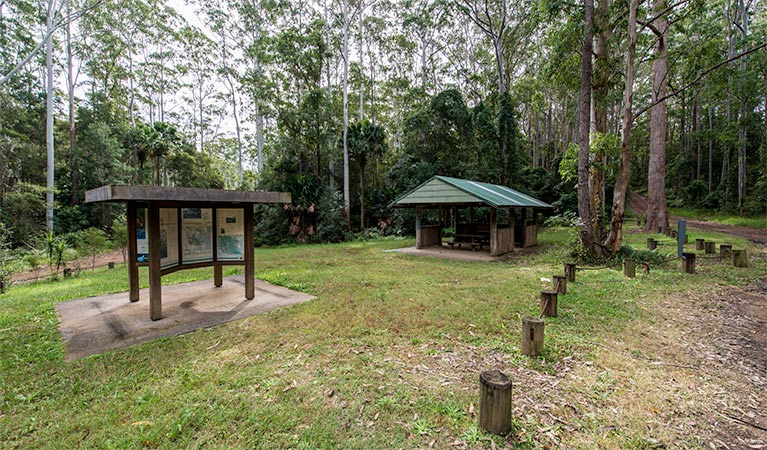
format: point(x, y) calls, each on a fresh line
point(454, 191)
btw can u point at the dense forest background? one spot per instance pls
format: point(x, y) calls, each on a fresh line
point(348, 103)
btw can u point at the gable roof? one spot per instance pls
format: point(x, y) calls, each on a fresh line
point(441, 190)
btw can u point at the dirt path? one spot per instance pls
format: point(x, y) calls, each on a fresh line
point(83, 263)
point(638, 204)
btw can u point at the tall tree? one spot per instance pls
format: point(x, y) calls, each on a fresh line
point(585, 198)
point(657, 212)
point(615, 236)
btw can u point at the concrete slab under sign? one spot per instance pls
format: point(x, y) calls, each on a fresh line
point(97, 324)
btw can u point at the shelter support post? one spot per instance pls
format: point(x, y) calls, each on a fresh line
point(218, 275)
point(493, 232)
point(418, 213)
point(250, 264)
point(132, 254)
point(155, 275)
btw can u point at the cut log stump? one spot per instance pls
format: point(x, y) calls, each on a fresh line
point(548, 304)
point(570, 271)
point(494, 402)
point(688, 262)
point(740, 258)
point(532, 336)
point(699, 244)
point(709, 248)
point(725, 251)
point(629, 268)
point(560, 284)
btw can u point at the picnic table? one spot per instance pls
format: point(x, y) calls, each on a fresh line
point(475, 240)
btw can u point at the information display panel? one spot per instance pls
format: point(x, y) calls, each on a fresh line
point(230, 233)
point(142, 235)
point(168, 237)
point(196, 235)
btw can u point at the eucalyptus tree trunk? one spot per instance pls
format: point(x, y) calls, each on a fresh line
point(742, 163)
point(657, 214)
point(362, 64)
point(710, 149)
point(71, 102)
point(585, 204)
point(331, 162)
point(600, 91)
point(233, 99)
point(346, 111)
point(49, 116)
point(615, 237)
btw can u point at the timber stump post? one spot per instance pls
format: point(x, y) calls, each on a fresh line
point(740, 258)
point(629, 268)
point(532, 336)
point(699, 244)
point(560, 283)
point(725, 251)
point(494, 402)
point(652, 244)
point(548, 303)
point(709, 248)
point(570, 271)
point(688, 262)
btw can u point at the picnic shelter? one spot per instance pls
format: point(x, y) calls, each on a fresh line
point(498, 217)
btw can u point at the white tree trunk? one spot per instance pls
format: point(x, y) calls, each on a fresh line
point(49, 116)
point(346, 111)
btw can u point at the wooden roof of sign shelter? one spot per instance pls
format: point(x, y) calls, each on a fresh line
point(448, 191)
point(180, 195)
point(153, 198)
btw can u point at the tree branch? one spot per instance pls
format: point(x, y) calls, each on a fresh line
point(698, 78)
point(63, 21)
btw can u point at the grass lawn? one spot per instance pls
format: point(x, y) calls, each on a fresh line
point(387, 356)
point(719, 217)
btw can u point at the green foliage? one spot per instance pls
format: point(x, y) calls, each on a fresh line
point(6, 259)
point(23, 212)
point(92, 242)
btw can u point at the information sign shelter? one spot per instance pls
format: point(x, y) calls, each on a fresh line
point(172, 228)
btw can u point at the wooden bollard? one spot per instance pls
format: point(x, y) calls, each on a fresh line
point(639, 221)
point(699, 244)
point(688, 262)
point(725, 251)
point(710, 247)
point(532, 336)
point(111, 264)
point(740, 258)
point(570, 271)
point(674, 234)
point(67, 272)
point(629, 268)
point(560, 283)
point(548, 304)
point(652, 244)
point(494, 402)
